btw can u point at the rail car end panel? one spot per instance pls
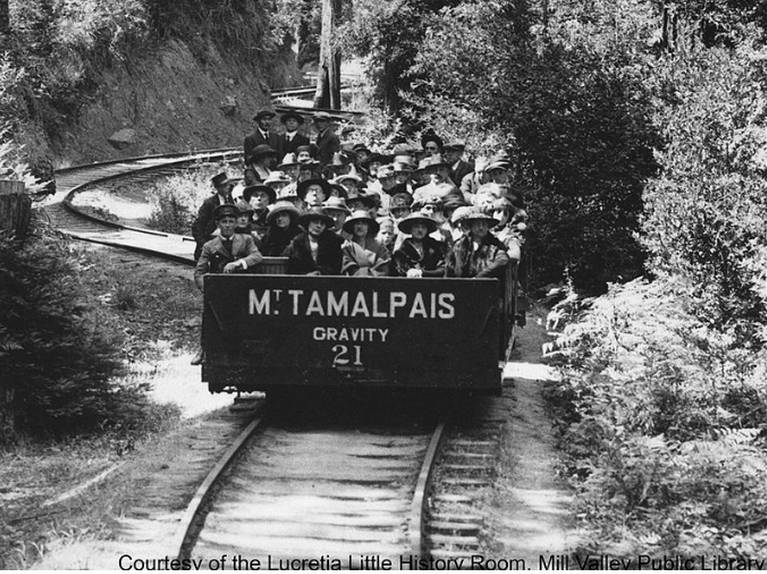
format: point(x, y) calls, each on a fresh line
point(263, 332)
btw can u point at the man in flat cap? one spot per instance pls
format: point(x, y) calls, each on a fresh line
point(205, 224)
point(227, 252)
point(262, 134)
point(292, 138)
point(327, 141)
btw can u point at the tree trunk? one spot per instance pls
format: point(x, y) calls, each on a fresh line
point(328, 93)
point(5, 20)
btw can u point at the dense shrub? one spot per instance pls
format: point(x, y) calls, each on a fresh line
point(572, 107)
point(663, 423)
point(177, 199)
point(57, 348)
point(706, 212)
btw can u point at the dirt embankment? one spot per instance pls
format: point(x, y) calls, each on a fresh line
point(168, 98)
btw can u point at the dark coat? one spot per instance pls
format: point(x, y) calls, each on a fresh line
point(460, 171)
point(290, 146)
point(489, 260)
point(205, 224)
point(215, 256)
point(276, 239)
point(327, 144)
point(432, 263)
point(274, 141)
point(328, 255)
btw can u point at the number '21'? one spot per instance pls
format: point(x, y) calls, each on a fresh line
point(341, 352)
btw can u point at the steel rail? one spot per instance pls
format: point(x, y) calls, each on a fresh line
point(416, 520)
point(189, 526)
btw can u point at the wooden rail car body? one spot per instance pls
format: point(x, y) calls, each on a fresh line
point(269, 331)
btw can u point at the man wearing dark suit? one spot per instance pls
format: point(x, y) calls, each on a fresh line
point(228, 252)
point(327, 141)
point(292, 139)
point(453, 153)
point(205, 224)
point(262, 135)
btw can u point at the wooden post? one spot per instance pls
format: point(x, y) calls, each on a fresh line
point(15, 208)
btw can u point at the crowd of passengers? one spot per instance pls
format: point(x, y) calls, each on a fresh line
point(342, 209)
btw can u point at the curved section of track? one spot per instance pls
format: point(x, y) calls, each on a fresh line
point(75, 223)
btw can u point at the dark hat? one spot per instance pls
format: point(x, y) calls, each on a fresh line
point(376, 157)
point(369, 200)
point(304, 185)
point(360, 147)
point(243, 207)
point(221, 179)
point(264, 114)
point(315, 213)
point(401, 200)
point(406, 224)
point(282, 207)
point(453, 201)
point(308, 148)
point(338, 188)
point(454, 145)
point(295, 115)
point(225, 210)
point(262, 150)
point(430, 136)
point(361, 215)
point(477, 214)
point(322, 116)
point(249, 191)
point(337, 204)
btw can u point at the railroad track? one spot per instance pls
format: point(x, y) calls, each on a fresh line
point(79, 224)
point(283, 495)
point(363, 493)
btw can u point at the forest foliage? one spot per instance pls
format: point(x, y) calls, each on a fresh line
point(640, 130)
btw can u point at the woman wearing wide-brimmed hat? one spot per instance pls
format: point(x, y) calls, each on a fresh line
point(316, 251)
point(313, 191)
point(259, 164)
point(282, 227)
point(478, 253)
point(363, 254)
point(419, 255)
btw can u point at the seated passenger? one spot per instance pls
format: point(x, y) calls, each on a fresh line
point(259, 197)
point(505, 231)
point(363, 254)
point(317, 251)
point(313, 192)
point(386, 233)
point(228, 252)
point(419, 255)
point(282, 224)
point(244, 222)
point(337, 209)
point(478, 253)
